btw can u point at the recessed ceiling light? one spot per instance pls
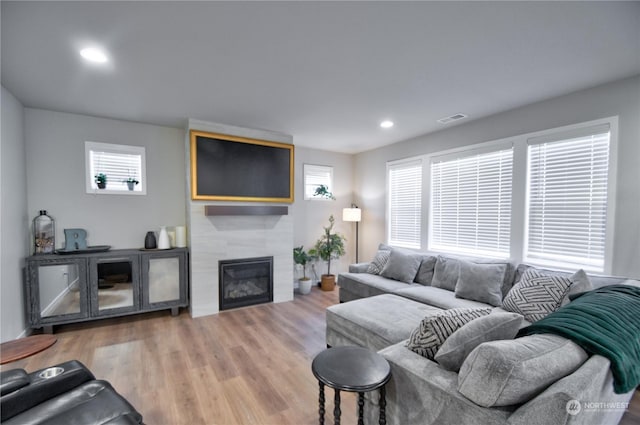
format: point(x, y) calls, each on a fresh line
point(93, 54)
point(386, 124)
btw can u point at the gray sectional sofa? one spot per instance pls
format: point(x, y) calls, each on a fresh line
point(529, 380)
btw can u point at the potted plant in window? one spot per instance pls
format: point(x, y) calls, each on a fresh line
point(302, 258)
point(322, 191)
point(131, 182)
point(329, 246)
point(101, 180)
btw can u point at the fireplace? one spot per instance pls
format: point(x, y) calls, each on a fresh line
point(245, 281)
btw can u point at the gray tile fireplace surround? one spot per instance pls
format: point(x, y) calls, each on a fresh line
point(225, 237)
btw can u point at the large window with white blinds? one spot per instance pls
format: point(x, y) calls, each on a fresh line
point(567, 198)
point(470, 207)
point(404, 179)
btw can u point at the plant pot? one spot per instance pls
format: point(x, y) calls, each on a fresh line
point(304, 286)
point(328, 282)
point(102, 185)
point(131, 185)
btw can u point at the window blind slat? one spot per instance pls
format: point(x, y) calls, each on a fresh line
point(567, 202)
point(405, 203)
point(471, 204)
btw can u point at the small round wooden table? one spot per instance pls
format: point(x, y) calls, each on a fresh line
point(24, 347)
point(353, 369)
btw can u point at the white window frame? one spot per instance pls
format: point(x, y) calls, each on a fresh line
point(417, 161)
point(309, 169)
point(90, 184)
point(566, 133)
point(519, 211)
point(432, 244)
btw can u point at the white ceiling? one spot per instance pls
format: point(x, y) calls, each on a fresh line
point(325, 72)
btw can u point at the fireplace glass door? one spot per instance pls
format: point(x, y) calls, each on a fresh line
point(245, 282)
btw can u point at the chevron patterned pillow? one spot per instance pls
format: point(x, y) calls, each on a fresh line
point(537, 294)
point(427, 338)
point(377, 264)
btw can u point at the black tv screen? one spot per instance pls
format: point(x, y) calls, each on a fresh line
point(231, 168)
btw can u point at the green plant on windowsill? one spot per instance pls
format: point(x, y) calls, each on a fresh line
point(101, 180)
point(322, 191)
point(131, 182)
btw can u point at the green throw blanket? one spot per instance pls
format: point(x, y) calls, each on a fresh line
point(605, 321)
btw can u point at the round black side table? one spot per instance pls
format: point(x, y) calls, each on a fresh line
point(353, 369)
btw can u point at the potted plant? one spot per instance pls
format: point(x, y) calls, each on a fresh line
point(329, 246)
point(101, 180)
point(301, 257)
point(131, 182)
point(322, 191)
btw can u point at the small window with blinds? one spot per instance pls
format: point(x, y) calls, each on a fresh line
point(404, 181)
point(470, 209)
point(115, 169)
point(314, 177)
point(567, 199)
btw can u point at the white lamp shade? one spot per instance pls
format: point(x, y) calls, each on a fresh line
point(351, 214)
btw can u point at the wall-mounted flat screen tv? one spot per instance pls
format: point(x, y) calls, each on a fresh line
point(231, 168)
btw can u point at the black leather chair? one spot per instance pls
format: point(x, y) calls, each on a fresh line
point(64, 394)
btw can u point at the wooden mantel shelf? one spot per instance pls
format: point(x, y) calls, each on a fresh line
point(213, 210)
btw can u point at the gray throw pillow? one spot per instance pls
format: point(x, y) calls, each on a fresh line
point(377, 264)
point(445, 273)
point(402, 265)
point(493, 327)
point(481, 282)
point(580, 283)
point(537, 294)
point(434, 329)
point(508, 372)
point(425, 272)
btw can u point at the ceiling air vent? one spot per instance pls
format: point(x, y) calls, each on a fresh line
point(447, 120)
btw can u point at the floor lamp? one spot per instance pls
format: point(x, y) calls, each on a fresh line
point(353, 214)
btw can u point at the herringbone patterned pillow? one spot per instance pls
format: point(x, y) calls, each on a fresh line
point(537, 294)
point(377, 264)
point(427, 338)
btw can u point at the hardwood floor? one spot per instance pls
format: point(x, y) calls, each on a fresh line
point(245, 366)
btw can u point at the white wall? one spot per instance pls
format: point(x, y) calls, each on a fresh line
point(56, 169)
point(311, 216)
point(621, 98)
point(14, 221)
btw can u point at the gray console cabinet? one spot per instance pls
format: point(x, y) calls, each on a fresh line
point(80, 287)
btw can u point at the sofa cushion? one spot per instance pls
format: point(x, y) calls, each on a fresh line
point(445, 273)
point(368, 285)
point(425, 272)
point(434, 329)
point(379, 261)
point(502, 373)
point(374, 322)
point(537, 294)
point(481, 282)
point(493, 327)
point(402, 265)
point(436, 297)
point(580, 281)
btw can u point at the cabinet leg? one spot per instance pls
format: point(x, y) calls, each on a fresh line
point(175, 311)
point(47, 329)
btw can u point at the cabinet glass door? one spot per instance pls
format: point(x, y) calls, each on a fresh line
point(164, 279)
point(60, 289)
point(114, 284)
